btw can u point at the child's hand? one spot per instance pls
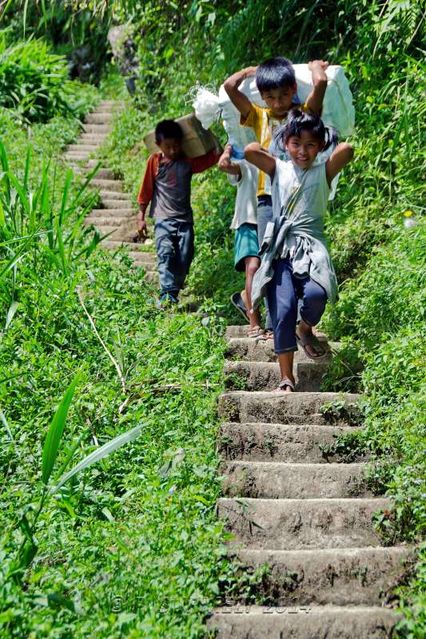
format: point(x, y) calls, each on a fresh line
point(142, 230)
point(318, 64)
point(225, 164)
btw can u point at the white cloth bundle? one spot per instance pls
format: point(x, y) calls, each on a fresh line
point(338, 110)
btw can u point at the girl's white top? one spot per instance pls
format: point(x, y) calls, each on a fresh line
point(299, 203)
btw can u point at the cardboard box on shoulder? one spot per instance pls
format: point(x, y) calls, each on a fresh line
point(196, 140)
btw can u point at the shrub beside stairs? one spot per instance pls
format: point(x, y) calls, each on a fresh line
point(288, 506)
point(117, 215)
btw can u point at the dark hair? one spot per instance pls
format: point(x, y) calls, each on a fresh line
point(299, 121)
point(167, 129)
point(275, 73)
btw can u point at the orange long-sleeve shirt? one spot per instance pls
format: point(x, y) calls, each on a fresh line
point(166, 183)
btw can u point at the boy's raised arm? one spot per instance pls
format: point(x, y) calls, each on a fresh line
point(342, 155)
point(319, 81)
point(238, 99)
point(259, 157)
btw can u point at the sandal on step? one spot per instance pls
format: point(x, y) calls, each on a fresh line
point(238, 302)
point(285, 383)
point(311, 340)
point(256, 332)
point(267, 334)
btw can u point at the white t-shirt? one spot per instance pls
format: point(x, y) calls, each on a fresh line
point(246, 200)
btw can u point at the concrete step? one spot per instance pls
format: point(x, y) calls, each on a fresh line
point(119, 204)
point(107, 185)
point(99, 118)
point(337, 576)
point(292, 443)
point(249, 349)
point(314, 622)
point(92, 138)
point(121, 232)
point(95, 128)
point(148, 260)
point(74, 156)
point(131, 246)
point(296, 524)
point(288, 408)
point(115, 195)
point(242, 375)
point(81, 147)
point(100, 173)
point(100, 221)
point(124, 203)
point(240, 330)
point(279, 480)
point(113, 213)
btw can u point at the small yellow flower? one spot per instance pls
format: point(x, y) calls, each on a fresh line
point(408, 213)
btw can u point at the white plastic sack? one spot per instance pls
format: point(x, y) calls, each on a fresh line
point(338, 110)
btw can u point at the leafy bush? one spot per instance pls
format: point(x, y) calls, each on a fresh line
point(34, 81)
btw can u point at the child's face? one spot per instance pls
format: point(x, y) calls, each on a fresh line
point(171, 148)
point(304, 149)
point(279, 100)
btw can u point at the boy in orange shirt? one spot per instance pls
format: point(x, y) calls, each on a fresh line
point(167, 187)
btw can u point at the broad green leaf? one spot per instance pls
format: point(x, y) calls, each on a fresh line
point(99, 454)
point(53, 438)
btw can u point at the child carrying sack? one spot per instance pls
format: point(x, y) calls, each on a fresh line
point(338, 110)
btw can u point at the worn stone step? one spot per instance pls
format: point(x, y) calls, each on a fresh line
point(289, 408)
point(115, 195)
point(74, 156)
point(99, 118)
point(100, 173)
point(316, 622)
point(119, 204)
point(121, 232)
point(243, 375)
point(147, 259)
point(124, 203)
point(92, 138)
point(292, 443)
point(81, 147)
point(280, 480)
point(295, 524)
point(338, 576)
point(240, 330)
point(131, 246)
point(95, 128)
point(107, 185)
point(249, 349)
point(113, 213)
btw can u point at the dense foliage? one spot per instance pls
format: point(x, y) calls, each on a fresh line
point(131, 546)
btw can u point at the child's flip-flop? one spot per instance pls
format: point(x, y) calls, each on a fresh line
point(310, 340)
point(237, 301)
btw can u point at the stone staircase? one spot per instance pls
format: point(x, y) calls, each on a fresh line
point(116, 216)
point(305, 516)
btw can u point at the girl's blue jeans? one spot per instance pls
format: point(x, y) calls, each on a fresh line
point(284, 292)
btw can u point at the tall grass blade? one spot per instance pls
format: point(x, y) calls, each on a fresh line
point(99, 454)
point(53, 438)
point(11, 314)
